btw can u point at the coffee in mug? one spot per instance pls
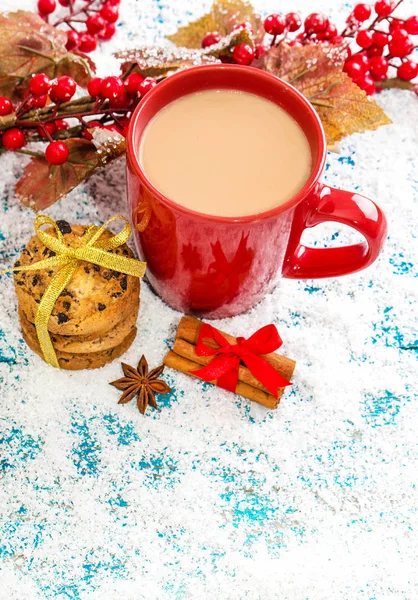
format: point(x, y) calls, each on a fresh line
point(226, 153)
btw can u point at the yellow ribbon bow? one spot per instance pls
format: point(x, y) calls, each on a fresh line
point(93, 251)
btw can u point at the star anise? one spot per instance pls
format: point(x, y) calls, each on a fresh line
point(141, 382)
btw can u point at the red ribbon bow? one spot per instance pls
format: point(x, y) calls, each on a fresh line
point(224, 367)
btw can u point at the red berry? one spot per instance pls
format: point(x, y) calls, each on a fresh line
point(61, 125)
point(274, 25)
point(39, 101)
point(408, 70)
point(293, 21)
point(383, 8)
point(243, 54)
point(362, 12)
point(6, 107)
point(367, 84)
point(362, 61)
point(380, 39)
point(47, 129)
point(73, 40)
point(411, 25)
point(354, 69)
point(46, 7)
point(399, 35)
point(111, 87)
point(400, 47)
point(109, 13)
point(146, 85)
point(62, 89)
point(364, 38)
point(91, 125)
point(396, 24)
point(379, 66)
point(246, 25)
point(328, 34)
point(374, 51)
point(107, 33)
point(260, 49)
point(95, 23)
point(94, 85)
point(120, 101)
point(13, 139)
point(132, 83)
point(66, 2)
point(56, 153)
point(87, 43)
point(39, 84)
point(338, 39)
point(210, 39)
point(316, 23)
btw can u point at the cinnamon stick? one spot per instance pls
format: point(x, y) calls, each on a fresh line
point(183, 348)
point(185, 365)
point(189, 328)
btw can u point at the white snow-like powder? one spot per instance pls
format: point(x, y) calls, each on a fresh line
point(212, 497)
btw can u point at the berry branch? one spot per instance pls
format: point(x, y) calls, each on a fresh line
point(90, 21)
point(368, 64)
point(39, 105)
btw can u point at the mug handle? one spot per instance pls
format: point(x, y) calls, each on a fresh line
point(349, 208)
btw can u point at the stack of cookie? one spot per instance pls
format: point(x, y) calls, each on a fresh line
point(94, 319)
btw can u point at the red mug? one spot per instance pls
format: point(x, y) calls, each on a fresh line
point(222, 266)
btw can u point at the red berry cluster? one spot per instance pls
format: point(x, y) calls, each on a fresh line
point(92, 20)
point(111, 101)
point(40, 89)
point(385, 42)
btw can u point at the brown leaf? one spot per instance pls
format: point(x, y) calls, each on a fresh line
point(29, 45)
point(158, 62)
point(43, 184)
point(159, 386)
point(223, 16)
point(224, 48)
point(109, 144)
point(316, 71)
point(153, 61)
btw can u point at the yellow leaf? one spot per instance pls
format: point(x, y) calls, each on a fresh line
point(224, 15)
point(316, 71)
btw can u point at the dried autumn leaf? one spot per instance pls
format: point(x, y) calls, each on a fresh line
point(29, 45)
point(43, 184)
point(316, 71)
point(156, 62)
point(224, 48)
point(109, 144)
point(224, 15)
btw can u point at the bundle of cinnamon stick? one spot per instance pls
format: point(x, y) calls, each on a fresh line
point(183, 358)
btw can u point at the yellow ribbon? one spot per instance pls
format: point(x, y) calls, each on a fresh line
point(93, 251)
